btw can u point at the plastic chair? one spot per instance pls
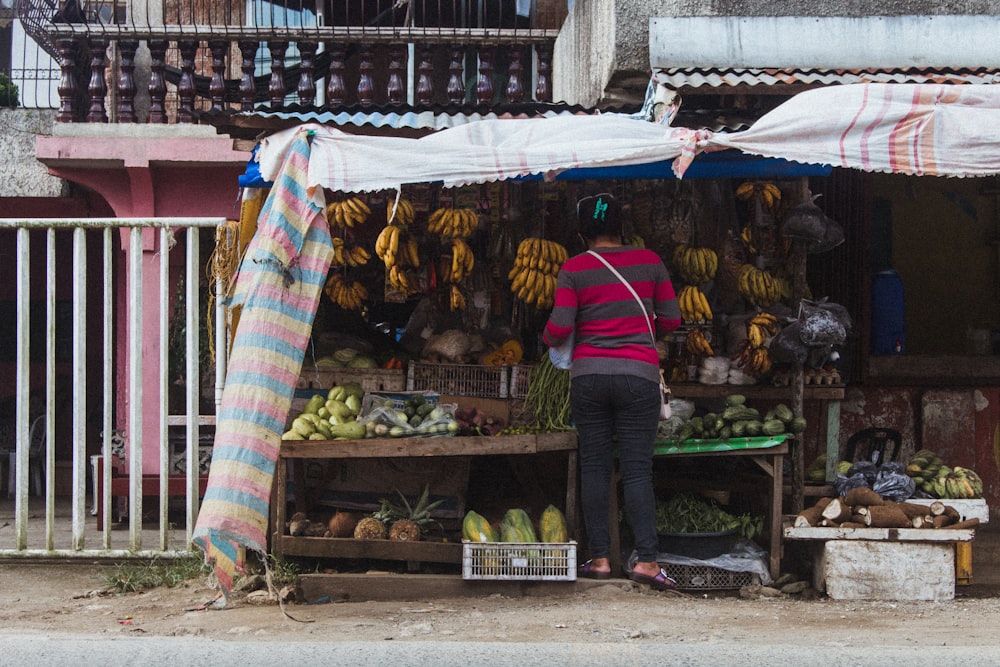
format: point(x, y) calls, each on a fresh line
point(36, 458)
point(877, 445)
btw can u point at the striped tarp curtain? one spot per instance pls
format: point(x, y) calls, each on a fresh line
point(278, 286)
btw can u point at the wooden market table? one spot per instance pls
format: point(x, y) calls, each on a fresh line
point(766, 452)
point(294, 453)
point(828, 397)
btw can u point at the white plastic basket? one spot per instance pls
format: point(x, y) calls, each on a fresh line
point(459, 379)
point(516, 561)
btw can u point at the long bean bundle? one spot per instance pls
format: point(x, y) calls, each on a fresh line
point(548, 396)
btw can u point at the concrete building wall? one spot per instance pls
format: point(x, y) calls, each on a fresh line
point(602, 55)
point(21, 174)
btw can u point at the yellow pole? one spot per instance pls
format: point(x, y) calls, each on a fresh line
point(963, 563)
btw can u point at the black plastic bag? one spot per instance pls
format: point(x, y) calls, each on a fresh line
point(787, 346)
point(867, 468)
point(832, 238)
point(805, 222)
point(808, 223)
point(893, 483)
point(845, 483)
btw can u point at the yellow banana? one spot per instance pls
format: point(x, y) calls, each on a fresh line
point(517, 284)
point(435, 219)
point(745, 190)
point(704, 310)
point(412, 252)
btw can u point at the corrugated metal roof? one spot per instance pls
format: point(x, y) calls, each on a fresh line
point(419, 119)
point(681, 78)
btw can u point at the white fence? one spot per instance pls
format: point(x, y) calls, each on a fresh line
point(91, 345)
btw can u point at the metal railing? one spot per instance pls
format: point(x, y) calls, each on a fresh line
point(234, 56)
point(60, 367)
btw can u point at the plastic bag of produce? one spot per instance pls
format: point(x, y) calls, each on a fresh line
point(892, 482)
point(845, 483)
point(787, 346)
point(867, 468)
point(807, 222)
point(389, 422)
point(823, 323)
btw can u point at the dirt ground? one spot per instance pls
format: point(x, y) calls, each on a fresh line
point(56, 598)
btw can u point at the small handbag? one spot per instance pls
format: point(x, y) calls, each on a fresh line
point(665, 411)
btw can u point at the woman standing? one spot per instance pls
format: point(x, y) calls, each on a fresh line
point(615, 390)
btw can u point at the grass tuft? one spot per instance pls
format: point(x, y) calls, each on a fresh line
point(133, 576)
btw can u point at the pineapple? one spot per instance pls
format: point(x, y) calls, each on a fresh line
point(405, 530)
point(409, 522)
point(370, 528)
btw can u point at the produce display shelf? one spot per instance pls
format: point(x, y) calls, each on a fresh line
point(695, 446)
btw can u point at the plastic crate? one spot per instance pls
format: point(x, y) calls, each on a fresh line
point(520, 378)
point(509, 561)
point(459, 379)
point(706, 577)
point(370, 379)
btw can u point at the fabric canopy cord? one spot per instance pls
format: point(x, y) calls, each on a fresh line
point(278, 286)
point(922, 129)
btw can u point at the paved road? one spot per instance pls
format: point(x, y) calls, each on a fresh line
point(36, 651)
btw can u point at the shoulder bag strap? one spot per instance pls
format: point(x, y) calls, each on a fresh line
point(630, 289)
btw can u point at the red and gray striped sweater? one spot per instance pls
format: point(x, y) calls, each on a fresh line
point(611, 336)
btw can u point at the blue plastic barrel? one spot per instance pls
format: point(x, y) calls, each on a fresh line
point(888, 314)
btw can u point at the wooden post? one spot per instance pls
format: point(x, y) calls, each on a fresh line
point(798, 271)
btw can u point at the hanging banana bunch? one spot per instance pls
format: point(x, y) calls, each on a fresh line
point(755, 361)
point(761, 328)
point(533, 276)
point(347, 213)
point(694, 305)
point(752, 354)
point(453, 223)
point(456, 301)
point(695, 265)
point(401, 280)
point(344, 255)
point(697, 343)
point(348, 296)
point(400, 213)
point(757, 286)
point(462, 261)
point(768, 194)
point(397, 248)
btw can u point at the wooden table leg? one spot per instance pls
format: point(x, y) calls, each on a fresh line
point(777, 481)
point(279, 502)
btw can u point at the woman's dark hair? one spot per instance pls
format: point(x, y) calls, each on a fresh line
point(599, 215)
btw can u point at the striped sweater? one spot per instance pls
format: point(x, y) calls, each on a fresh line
point(611, 334)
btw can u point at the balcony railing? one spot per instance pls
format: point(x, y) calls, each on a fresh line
point(198, 66)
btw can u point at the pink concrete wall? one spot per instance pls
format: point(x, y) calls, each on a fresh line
point(149, 176)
